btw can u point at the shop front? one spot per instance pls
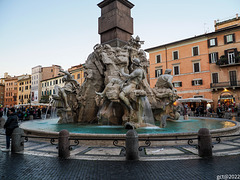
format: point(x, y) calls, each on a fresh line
point(227, 101)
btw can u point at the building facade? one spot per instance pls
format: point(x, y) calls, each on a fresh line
point(188, 60)
point(205, 66)
point(11, 90)
point(2, 92)
point(48, 87)
point(24, 89)
point(77, 73)
point(224, 59)
point(40, 73)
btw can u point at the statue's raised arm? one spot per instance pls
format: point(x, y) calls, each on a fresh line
point(66, 73)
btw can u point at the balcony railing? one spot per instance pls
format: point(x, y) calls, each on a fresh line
point(226, 84)
point(228, 62)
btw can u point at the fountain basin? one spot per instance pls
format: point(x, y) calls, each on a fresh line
point(175, 130)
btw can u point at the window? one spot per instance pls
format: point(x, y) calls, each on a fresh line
point(214, 77)
point(213, 57)
point(56, 81)
point(212, 42)
point(78, 76)
point(176, 70)
point(197, 96)
point(177, 84)
point(197, 82)
point(229, 38)
point(158, 72)
point(19, 88)
point(175, 55)
point(50, 83)
point(233, 78)
point(50, 92)
point(195, 51)
point(73, 76)
point(196, 67)
point(26, 87)
point(51, 70)
point(158, 58)
point(231, 58)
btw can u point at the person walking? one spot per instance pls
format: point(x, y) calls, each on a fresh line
point(10, 125)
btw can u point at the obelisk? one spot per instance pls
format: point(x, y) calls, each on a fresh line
point(115, 25)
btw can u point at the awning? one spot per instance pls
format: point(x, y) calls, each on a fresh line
point(195, 100)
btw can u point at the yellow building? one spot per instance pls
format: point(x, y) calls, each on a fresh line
point(24, 89)
point(77, 73)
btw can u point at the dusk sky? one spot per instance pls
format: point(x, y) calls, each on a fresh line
point(63, 32)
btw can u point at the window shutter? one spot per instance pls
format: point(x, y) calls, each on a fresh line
point(180, 84)
point(210, 61)
point(192, 83)
point(233, 36)
point(225, 53)
point(225, 40)
point(216, 55)
point(216, 42)
point(200, 82)
point(208, 43)
point(235, 52)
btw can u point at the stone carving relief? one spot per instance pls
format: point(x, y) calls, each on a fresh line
point(116, 90)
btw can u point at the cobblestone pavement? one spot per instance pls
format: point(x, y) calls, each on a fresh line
point(22, 167)
point(39, 160)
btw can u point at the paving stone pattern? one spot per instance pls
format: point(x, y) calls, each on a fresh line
point(22, 167)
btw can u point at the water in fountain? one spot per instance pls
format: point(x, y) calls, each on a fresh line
point(53, 110)
point(147, 115)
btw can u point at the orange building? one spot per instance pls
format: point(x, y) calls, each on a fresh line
point(224, 58)
point(77, 73)
point(204, 66)
point(50, 72)
point(11, 91)
point(188, 60)
point(2, 92)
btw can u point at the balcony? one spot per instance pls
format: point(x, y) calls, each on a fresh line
point(226, 62)
point(231, 84)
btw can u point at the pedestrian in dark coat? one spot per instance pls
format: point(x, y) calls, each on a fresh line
point(10, 125)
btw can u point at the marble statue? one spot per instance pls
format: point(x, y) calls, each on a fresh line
point(116, 90)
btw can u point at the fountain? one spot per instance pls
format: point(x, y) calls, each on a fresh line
point(116, 92)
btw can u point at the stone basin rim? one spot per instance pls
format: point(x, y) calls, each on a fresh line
point(217, 132)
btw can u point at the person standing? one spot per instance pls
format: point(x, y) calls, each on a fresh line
point(10, 125)
point(185, 111)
